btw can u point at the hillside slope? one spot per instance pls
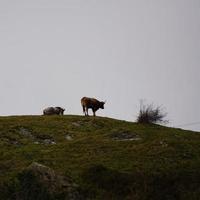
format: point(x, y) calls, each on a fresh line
point(106, 158)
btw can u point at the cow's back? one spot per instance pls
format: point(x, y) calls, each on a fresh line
point(49, 111)
point(89, 102)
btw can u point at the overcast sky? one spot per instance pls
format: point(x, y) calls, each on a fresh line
point(53, 52)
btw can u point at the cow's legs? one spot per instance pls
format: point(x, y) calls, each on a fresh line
point(94, 112)
point(84, 110)
point(86, 114)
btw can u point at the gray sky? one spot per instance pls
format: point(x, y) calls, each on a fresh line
point(53, 52)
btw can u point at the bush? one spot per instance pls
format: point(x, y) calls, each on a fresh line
point(151, 114)
point(109, 182)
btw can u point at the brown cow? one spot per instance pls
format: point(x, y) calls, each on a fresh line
point(92, 103)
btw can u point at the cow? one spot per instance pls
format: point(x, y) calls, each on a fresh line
point(53, 111)
point(91, 103)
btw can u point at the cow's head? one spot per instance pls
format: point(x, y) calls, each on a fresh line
point(102, 104)
point(59, 110)
point(62, 111)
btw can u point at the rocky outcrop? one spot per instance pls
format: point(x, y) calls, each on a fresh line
point(41, 182)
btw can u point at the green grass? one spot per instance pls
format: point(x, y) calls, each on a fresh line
point(162, 164)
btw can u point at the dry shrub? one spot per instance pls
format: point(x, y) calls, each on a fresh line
point(149, 113)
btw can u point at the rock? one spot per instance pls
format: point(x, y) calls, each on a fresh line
point(124, 135)
point(163, 143)
point(41, 139)
point(68, 137)
point(76, 124)
point(23, 131)
point(41, 182)
point(48, 141)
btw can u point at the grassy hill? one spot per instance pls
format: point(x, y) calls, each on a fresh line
point(107, 158)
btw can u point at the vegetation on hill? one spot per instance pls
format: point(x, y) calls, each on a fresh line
point(106, 158)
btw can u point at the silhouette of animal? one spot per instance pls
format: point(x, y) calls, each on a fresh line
point(53, 111)
point(91, 103)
